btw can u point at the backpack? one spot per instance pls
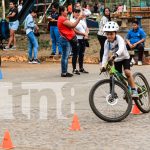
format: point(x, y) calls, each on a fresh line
point(4, 30)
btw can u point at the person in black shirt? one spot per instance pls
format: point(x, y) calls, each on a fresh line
point(54, 33)
point(13, 25)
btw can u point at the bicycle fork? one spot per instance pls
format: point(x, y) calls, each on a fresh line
point(112, 86)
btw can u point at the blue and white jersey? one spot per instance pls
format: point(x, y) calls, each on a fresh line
point(118, 46)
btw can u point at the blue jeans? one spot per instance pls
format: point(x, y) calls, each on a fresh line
point(33, 44)
point(65, 54)
point(54, 33)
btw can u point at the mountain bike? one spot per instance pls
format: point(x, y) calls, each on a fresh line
point(111, 100)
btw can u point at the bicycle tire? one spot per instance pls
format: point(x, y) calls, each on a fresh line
point(138, 103)
point(99, 114)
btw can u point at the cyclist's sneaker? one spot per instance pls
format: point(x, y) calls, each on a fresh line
point(75, 71)
point(135, 94)
point(36, 61)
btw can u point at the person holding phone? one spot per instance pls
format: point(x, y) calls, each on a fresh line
point(67, 38)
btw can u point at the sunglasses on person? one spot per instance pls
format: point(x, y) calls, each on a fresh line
point(77, 11)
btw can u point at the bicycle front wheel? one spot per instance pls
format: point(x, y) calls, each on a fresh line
point(143, 103)
point(107, 107)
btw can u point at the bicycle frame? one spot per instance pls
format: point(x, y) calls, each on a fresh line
point(114, 74)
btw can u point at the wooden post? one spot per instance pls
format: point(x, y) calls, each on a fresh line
point(3, 8)
point(45, 11)
point(130, 7)
point(104, 3)
point(36, 4)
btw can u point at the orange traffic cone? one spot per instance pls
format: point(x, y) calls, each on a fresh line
point(135, 110)
point(7, 143)
point(75, 123)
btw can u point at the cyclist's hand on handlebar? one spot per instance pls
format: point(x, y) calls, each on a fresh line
point(110, 62)
point(103, 69)
point(111, 59)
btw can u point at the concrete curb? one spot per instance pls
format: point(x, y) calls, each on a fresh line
point(53, 59)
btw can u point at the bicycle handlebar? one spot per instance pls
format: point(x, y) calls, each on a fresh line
point(108, 66)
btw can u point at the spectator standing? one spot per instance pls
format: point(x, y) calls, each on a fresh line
point(13, 25)
point(101, 34)
point(77, 5)
point(120, 8)
point(32, 28)
point(81, 31)
point(135, 40)
point(54, 32)
point(68, 37)
point(85, 10)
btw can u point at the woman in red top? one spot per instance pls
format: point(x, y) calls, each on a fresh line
point(67, 33)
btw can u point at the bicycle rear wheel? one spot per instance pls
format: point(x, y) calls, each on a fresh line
point(107, 108)
point(143, 103)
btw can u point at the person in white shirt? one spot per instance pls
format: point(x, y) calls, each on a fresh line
point(81, 31)
point(116, 45)
point(85, 10)
point(20, 5)
point(101, 34)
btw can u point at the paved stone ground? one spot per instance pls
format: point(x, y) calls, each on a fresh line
point(51, 132)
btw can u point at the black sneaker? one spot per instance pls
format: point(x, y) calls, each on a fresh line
point(36, 61)
point(83, 71)
point(53, 53)
point(66, 75)
point(75, 71)
point(30, 61)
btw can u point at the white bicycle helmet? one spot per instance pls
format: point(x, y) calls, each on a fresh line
point(110, 26)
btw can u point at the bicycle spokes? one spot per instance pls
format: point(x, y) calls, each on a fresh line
point(106, 100)
point(143, 90)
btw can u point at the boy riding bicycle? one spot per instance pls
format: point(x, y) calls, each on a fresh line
point(116, 45)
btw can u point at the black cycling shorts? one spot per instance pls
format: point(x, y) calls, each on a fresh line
point(125, 63)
